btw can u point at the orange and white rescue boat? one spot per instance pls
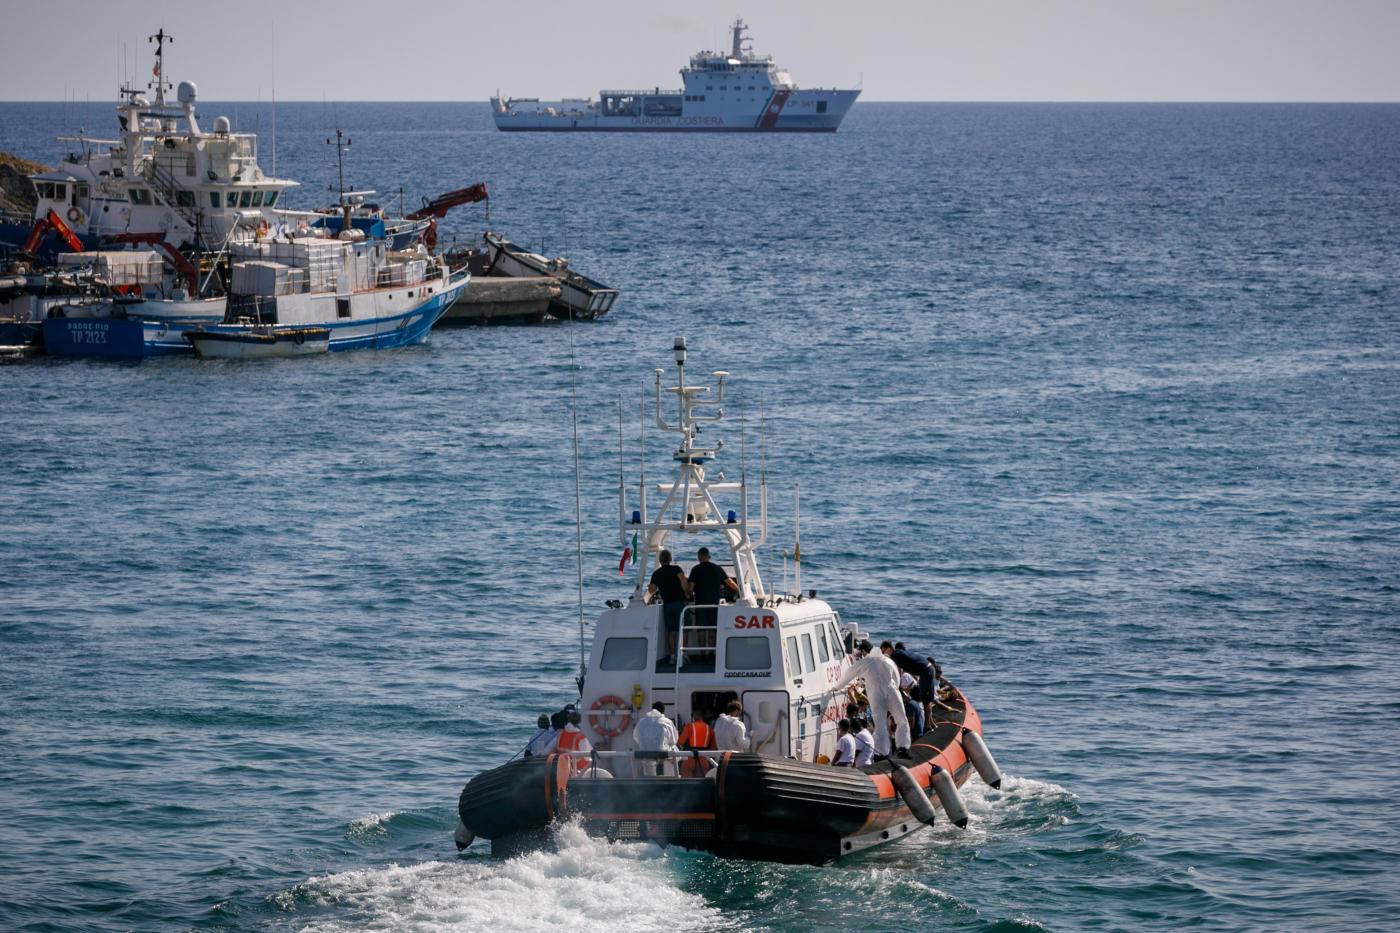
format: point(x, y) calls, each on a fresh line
point(783, 655)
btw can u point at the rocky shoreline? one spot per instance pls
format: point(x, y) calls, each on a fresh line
point(16, 191)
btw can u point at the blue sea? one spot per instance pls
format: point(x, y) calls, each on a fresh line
point(1099, 404)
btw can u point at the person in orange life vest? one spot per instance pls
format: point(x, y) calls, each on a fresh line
point(572, 739)
point(697, 734)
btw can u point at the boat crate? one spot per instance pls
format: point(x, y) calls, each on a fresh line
point(120, 267)
point(261, 278)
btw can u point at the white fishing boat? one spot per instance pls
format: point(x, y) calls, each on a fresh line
point(774, 659)
point(259, 342)
point(579, 298)
point(721, 92)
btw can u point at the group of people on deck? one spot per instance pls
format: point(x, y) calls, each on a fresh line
point(901, 696)
point(901, 693)
point(706, 585)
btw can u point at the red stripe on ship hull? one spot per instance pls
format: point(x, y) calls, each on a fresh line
point(774, 108)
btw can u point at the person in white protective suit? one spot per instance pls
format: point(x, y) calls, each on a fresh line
point(882, 689)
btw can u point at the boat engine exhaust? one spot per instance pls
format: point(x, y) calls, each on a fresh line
point(913, 794)
point(942, 783)
point(982, 758)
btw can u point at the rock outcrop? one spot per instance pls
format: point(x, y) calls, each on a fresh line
point(16, 191)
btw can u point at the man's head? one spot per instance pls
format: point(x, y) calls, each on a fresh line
point(734, 707)
point(865, 647)
point(574, 717)
point(665, 558)
point(659, 707)
point(843, 726)
point(543, 721)
point(886, 648)
point(702, 555)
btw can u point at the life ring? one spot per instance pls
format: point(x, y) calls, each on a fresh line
point(74, 215)
point(604, 710)
point(262, 229)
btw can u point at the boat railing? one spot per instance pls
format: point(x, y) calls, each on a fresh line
point(650, 92)
point(663, 763)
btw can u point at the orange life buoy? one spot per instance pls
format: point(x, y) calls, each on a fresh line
point(604, 710)
point(74, 215)
point(262, 229)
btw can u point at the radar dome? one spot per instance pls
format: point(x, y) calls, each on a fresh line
point(186, 92)
point(221, 124)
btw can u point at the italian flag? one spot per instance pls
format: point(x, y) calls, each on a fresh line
point(629, 556)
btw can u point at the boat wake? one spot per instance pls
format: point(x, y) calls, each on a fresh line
point(586, 884)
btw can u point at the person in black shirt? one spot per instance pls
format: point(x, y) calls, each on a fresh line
point(708, 583)
point(668, 581)
point(923, 668)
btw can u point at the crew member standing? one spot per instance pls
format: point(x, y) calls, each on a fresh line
point(697, 734)
point(668, 581)
point(655, 732)
point(731, 735)
point(923, 668)
point(708, 583)
point(882, 689)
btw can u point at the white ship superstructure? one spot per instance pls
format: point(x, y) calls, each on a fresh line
point(735, 91)
point(165, 178)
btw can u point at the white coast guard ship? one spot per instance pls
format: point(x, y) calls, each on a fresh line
point(781, 653)
point(737, 92)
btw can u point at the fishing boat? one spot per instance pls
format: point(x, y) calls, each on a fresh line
point(782, 653)
point(721, 92)
point(365, 294)
point(580, 298)
point(258, 342)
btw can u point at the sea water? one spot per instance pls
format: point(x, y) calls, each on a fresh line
point(1100, 405)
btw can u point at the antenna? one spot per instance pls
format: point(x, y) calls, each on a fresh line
point(160, 84)
point(274, 96)
point(797, 538)
point(642, 562)
point(578, 506)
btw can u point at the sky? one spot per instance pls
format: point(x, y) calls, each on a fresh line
point(894, 50)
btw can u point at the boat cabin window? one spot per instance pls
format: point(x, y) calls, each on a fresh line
point(140, 196)
point(271, 198)
point(808, 664)
point(748, 653)
point(245, 199)
point(82, 190)
point(213, 199)
point(184, 198)
point(624, 654)
point(257, 198)
point(794, 660)
point(822, 651)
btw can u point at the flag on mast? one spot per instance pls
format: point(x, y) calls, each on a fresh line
point(629, 555)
